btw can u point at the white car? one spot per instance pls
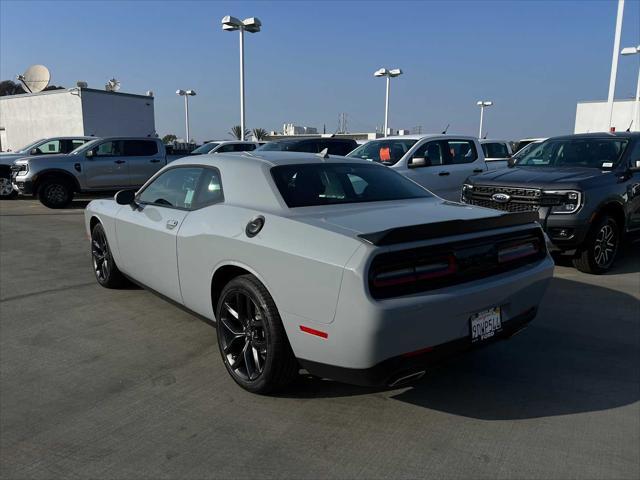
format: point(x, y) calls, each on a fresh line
point(440, 163)
point(225, 146)
point(342, 267)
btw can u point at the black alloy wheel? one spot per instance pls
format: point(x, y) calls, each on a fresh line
point(251, 338)
point(600, 248)
point(107, 273)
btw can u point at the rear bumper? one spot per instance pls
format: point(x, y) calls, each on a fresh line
point(394, 369)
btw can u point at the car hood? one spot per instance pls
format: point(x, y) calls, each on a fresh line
point(35, 159)
point(378, 216)
point(542, 177)
point(9, 158)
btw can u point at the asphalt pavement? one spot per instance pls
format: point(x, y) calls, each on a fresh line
point(119, 384)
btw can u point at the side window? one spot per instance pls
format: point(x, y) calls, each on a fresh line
point(210, 188)
point(432, 152)
point(244, 147)
point(109, 149)
point(175, 187)
point(140, 148)
point(461, 151)
point(634, 156)
point(71, 145)
point(308, 146)
point(49, 148)
point(495, 150)
point(229, 147)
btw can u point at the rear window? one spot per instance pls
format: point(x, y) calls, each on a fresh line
point(307, 185)
point(495, 150)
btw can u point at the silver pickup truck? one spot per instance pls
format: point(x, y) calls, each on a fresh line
point(44, 146)
point(104, 164)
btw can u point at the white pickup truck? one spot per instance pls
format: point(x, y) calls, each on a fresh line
point(440, 163)
point(496, 153)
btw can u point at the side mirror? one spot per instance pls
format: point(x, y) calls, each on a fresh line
point(511, 162)
point(635, 166)
point(34, 151)
point(418, 162)
point(125, 197)
point(90, 153)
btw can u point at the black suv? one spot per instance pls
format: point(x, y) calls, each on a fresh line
point(335, 146)
point(585, 188)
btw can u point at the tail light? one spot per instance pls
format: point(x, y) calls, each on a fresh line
point(406, 274)
point(518, 251)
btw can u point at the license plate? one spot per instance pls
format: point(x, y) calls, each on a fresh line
point(485, 324)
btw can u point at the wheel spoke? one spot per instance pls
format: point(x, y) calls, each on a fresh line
point(227, 349)
point(248, 361)
point(231, 311)
point(230, 328)
point(256, 359)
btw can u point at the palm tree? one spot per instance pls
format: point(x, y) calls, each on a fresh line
point(236, 132)
point(260, 134)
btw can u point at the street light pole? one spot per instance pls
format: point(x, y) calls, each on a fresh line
point(482, 104)
point(186, 94)
point(636, 105)
point(251, 25)
point(383, 72)
point(614, 61)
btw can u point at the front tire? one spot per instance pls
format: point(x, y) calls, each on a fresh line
point(6, 189)
point(252, 340)
point(598, 252)
point(55, 193)
point(104, 267)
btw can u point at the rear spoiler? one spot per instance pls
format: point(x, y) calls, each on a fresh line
point(414, 233)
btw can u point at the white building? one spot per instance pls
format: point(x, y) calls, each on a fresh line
point(291, 129)
point(77, 111)
point(594, 116)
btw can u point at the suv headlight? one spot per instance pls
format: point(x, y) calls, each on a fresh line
point(21, 169)
point(466, 189)
point(562, 201)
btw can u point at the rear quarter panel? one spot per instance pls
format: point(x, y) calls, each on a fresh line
point(301, 265)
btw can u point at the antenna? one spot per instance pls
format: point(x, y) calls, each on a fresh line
point(485, 135)
point(444, 132)
point(629, 129)
point(35, 79)
point(112, 85)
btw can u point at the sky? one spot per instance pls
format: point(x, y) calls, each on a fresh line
point(315, 60)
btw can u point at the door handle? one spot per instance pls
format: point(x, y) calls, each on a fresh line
point(118, 161)
point(171, 224)
point(478, 170)
point(155, 160)
point(443, 174)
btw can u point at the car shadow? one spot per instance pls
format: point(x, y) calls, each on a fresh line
point(579, 355)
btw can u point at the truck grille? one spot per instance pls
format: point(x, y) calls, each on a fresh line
point(515, 199)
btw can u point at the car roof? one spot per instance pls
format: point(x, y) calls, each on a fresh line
point(427, 135)
point(324, 139)
point(598, 135)
point(493, 140)
point(269, 158)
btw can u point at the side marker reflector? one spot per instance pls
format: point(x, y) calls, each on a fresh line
point(313, 331)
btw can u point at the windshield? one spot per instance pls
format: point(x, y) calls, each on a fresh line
point(575, 152)
point(30, 146)
point(277, 146)
point(83, 146)
point(206, 148)
point(383, 151)
point(306, 185)
point(526, 149)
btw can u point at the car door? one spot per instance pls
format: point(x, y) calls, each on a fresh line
point(462, 162)
point(633, 188)
point(144, 160)
point(427, 167)
point(147, 233)
point(105, 166)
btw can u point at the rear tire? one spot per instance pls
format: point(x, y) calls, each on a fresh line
point(598, 252)
point(251, 338)
point(104, 266)
point(6, 189)
point(55, 193)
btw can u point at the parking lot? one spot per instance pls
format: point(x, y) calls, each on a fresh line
point(101, 383)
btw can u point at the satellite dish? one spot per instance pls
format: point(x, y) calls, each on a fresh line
point(112, 85)
point(36, 78)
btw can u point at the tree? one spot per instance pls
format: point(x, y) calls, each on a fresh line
point(9, 87)
point(169, 138)
point(236, 132)
point(260, 133)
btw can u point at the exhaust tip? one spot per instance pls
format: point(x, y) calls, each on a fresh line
point(407, 378)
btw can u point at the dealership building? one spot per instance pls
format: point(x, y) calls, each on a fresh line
point(79, 111)
point(594, 116)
